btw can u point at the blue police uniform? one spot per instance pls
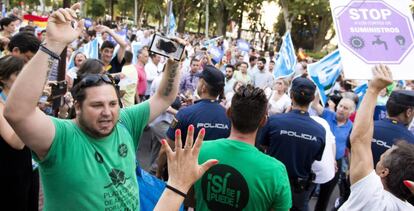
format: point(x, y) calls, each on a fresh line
point(296, 140)
point(386, 132)
point(208, 114)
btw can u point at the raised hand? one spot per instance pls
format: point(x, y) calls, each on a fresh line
point(60, 30)
point(183, 168)
point(382, 77)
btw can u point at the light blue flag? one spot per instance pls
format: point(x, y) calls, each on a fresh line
point(360, 92)
point(90, 50)
point(213, 41)
point(135, 47)
point(286, 61)
point(171, 25)
point(216, 54)
point(243, 45)
point(325, 72)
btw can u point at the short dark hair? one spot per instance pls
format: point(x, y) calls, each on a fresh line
point(10, 65)
point(271, 61)
point(252, 58)
point(128, 56)
point(194, 60)
point(107, 44)
point(91, 33)
point(230, 66)
point(213, 91)
point(400, 163)
point(394, 108)
point(301, 100)
point(263, 60)
point(248, 107)
point(25, 42)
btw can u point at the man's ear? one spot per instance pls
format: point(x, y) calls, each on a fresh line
point(15, 51)
point(263, 121)
point(228, 113)
point(77, 108)
point(384, 173)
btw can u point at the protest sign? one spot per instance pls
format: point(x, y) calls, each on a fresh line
point(373, 32)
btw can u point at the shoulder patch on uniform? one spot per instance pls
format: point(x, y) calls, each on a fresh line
point(174, 123)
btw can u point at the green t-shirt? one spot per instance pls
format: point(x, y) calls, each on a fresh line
point(244, 179)
point(83, 173)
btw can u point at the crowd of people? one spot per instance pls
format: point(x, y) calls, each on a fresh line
point(263, 143)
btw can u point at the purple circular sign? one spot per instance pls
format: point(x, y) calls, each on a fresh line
point(375, 32)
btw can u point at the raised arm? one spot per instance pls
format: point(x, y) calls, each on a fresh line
point(33, 127)
point(362, 132)
point(168, 89)
point(316, 105)
point(7, 133)
point(122, 43)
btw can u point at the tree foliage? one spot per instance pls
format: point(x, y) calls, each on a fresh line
point(309, 21)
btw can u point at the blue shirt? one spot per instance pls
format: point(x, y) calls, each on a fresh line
point(295, 139)
point(386, 132)
point(341, 133)
point(204, 113)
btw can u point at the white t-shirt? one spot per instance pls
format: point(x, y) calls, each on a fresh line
point(325, 168)
point(369, 194)
point(279, 106)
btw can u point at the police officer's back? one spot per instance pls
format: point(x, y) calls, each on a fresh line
point(207, 112)
point(296, 140)
point(400, 110)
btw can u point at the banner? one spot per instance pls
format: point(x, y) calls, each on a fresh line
point(360, 92)
point(243, 45)
point(286, 61)
point(374, 32)
point(325, 72)
point(216, 54)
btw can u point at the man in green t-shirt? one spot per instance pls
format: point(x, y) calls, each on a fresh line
point(87, 163)
point(245, 178)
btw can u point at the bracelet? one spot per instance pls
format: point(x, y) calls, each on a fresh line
point(176, 191)
point(49, 52)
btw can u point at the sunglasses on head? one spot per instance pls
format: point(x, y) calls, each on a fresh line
point(94, 79)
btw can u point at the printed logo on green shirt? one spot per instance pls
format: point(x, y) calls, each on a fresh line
point(123, 150)
point(224, 188)
point(117, 177)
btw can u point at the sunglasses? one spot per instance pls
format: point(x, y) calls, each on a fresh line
point(95, 79)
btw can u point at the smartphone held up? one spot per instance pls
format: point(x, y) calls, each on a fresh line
point(166, 47)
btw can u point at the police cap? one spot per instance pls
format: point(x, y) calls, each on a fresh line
point(212, 76)
point(303, 86)
point(403, 97)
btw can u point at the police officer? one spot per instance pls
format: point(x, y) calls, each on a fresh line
point(400, 109)
point(205, 113)
point(296, 140)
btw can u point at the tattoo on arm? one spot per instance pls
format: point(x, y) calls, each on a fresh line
point(171, 77)
point(50, 62)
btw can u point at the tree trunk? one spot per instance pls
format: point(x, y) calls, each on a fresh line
point(223, 17)
point(182, 7)
point(324, 25)
point(199, 22)
point(139, 14)
point(286, 15)
point(240, 20)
